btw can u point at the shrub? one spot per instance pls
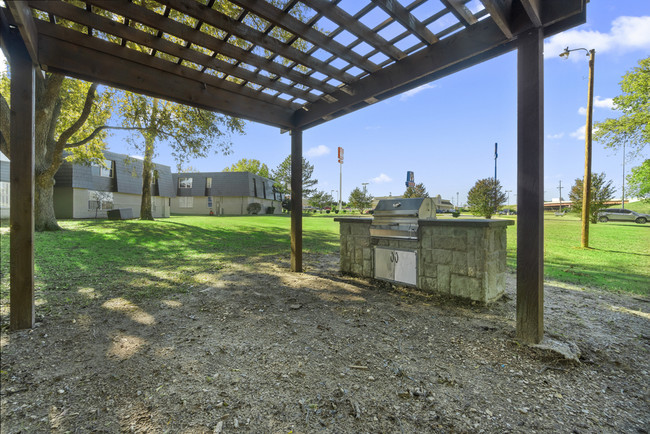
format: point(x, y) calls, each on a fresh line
point(254, 208)
point(270, 210)
point(455, 214)
point(336, 211)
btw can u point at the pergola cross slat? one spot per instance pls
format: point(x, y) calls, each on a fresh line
point(194, 52)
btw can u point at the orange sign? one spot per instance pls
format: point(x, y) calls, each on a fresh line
point(340, 155)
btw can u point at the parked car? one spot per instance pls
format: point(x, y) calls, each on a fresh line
point(623, 215)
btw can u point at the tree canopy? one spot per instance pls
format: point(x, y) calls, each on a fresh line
point(282, 177)
point(485, 197)
point(360, 199)
point(639, 182)
point(416, 191)
point(252, 166)
point(601, 192)
point(70, 117)
point(633, 126)
point(189, 132)
point(320, 199)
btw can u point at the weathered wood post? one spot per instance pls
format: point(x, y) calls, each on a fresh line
point(21, 218)
point(296, 200)
point(530, 187)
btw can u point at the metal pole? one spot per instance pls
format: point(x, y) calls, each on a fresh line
point(623, 193)
point(560, 188)
point(496, 155)
point(586, 190)
point(340, 183)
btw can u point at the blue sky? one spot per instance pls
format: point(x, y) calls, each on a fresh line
point(445, 131)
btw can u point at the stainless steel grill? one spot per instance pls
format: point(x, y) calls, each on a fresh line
point(398, 218)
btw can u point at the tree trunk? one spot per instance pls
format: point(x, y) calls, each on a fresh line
point(145, 205)
point(44, 218)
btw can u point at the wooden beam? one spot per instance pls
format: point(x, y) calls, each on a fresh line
point(533, 9)
point(282, 19)
point(99, 45)
point(466, 48)
point(460, 11)
point(241, 30)
point(87, 64)
point(352, 25)
point(500, 12)
point(400, 14)
point(296, 200)
point(530, 187)
point(5, 34)
point(156, 21)
point(22, 15)
point(72, 13)
point(461, 46)
point(21, 214)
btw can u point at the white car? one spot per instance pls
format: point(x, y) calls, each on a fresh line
point(623, 215)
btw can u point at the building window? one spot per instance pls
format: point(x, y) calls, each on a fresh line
point(264, 189)
point(208, 182)
point(184, 182)
point(186, 201)
point(105, 170)
point(254, 188)
point(100, 200)
point(4, 194)
point(209, 201)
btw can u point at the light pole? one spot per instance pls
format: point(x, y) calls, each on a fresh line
point(508, 191)
point(623, 193)
point(457, 204)
point(332, 195)
point(586, 186)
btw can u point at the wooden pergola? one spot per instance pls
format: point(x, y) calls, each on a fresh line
point(294, 68)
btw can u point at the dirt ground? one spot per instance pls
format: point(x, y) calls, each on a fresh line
point(268, 351)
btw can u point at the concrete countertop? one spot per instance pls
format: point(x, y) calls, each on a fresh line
point(440, 222)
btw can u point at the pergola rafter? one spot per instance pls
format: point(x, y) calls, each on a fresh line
point(293, 67)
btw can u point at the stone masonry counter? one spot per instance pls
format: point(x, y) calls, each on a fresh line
point(464, 258)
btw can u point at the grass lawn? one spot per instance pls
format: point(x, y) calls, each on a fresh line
point(134, 258)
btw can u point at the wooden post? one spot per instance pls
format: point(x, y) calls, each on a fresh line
point(296, 200)
point(530, 187)
point(586, 187)
point(21, 218)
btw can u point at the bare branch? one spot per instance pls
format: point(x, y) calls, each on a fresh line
point(97, 131)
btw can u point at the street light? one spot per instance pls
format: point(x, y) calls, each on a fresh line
point(508, 191)
point(586, 186)
point(332, 205)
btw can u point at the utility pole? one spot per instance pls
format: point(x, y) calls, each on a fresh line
point(586, 185)
point(560, 188)
point(496, 155)
point(623, 193)
point(340, 176)
point(457, 204)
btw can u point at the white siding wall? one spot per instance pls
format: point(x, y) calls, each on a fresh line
point(223, 205)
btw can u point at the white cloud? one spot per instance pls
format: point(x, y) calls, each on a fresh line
point(318, 151)
point(555, 136)
point(599, 102)
point(626, 34)
point(381, 178)
point(413, 92)
point(579, 133)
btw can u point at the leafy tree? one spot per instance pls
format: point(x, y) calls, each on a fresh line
point(70, 117)
point(282, 177)
point(360, 199)
point(417, 191)
point(601, 191)
point(632, 127)
point(639, 181)
point(189, 131)
point(320, 199)
point(485, 197)
point(252, 166)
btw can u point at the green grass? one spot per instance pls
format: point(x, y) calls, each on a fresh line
point(618, 258)
point(140, 258)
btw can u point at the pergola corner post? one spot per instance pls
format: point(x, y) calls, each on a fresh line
point(21, 218)
point(530, 187)
point(296, 200)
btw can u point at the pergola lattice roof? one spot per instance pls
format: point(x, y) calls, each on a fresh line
point(294, 67)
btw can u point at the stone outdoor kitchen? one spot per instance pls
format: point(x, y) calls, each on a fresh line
point(405, 243)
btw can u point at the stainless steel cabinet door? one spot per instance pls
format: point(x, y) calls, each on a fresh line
point(384, 265)
point(406, 266)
